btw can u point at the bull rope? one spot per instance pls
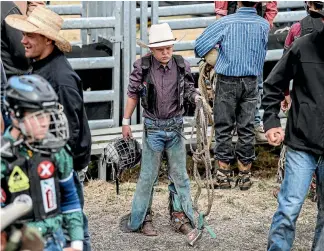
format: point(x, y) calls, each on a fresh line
point(203, 117)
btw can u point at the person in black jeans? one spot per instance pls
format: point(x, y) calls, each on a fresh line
point(237, 68)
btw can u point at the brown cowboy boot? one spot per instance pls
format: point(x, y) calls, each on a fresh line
point(223, 175)
point(181, 222)
point(148, 228)
point(244, 176)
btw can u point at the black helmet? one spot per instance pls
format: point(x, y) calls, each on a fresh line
point(33, 94)
point(29, 93)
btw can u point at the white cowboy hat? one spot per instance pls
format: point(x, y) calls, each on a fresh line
point(42, 21)
point(159, 35)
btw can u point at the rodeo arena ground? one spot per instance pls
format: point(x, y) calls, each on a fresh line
point(175, 114)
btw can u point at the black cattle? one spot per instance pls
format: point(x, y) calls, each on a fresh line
point(95, 79)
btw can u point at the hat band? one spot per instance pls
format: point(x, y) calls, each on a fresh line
point(162, 41)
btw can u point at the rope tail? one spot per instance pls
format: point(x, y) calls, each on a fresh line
point(203, 117)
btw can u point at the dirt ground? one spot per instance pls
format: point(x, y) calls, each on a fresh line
point(241, 220)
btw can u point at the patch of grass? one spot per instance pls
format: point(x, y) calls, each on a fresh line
point(265, 166)
point(266, 163)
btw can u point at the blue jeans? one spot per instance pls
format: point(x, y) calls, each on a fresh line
point(79, 187)
point(257, 117)
point(55, 242)
point(158, 137)
point(299, 170)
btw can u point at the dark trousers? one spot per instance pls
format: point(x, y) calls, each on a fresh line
point(235, 102)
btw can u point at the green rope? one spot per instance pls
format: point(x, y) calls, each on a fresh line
point(202, 223)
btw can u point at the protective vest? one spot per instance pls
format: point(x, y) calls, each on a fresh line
point(310, 24)
point(34, 181)
point(147, 88)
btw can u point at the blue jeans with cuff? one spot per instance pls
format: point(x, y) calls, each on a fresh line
point(299, 169)
point(159, 136)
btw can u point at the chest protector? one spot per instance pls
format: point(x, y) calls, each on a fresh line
point(33, 181)
point(147, 88)
point(310, 24)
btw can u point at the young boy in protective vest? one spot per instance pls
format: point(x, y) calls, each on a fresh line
point(35, 165)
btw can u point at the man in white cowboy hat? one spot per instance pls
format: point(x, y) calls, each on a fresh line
point(162, 81)
point(45, 47)
point(242, 38)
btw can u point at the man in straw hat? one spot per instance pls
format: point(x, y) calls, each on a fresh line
point(242, 38)
point(162, 81)
point(45, 47)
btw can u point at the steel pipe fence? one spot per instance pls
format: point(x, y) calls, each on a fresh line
point(202, 22)
point(206, 8)
point(178, 10)
point(98, 19)
point(116, 21)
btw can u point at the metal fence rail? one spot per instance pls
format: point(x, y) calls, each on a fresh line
point(206, 8)
point(95, 18)
point(72, 9)
point(202, 22)
point(116, 21)
point(178, 10)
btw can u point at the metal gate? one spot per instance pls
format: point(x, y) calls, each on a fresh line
point(116, 21)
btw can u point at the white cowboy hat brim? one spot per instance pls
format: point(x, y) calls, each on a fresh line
point(141, 43)
point(21, 23)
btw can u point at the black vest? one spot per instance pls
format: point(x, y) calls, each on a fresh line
point(147, 89)
point(33, 181)
point(310, 24)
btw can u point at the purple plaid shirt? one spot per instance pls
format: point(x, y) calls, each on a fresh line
point(165, 81)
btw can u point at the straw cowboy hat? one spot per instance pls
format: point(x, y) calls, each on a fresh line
point(159, 35)
point(41, 21)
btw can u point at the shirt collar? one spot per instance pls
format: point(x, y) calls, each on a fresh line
point(40, 63)
point(157, 65)
point(247, 10)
